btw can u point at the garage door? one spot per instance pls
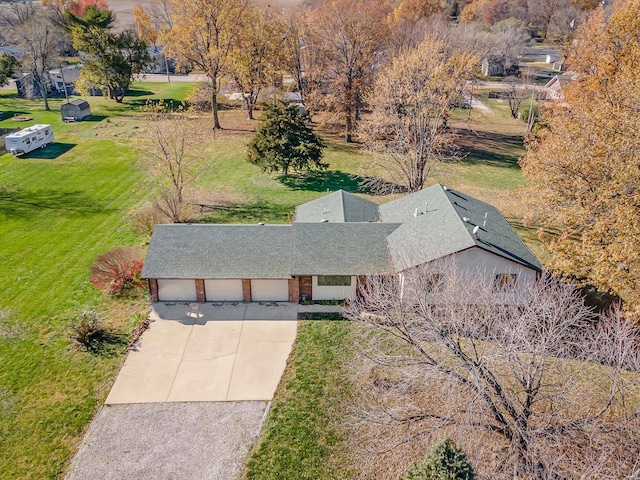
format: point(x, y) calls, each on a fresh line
point(177, 290)
point(269, 290)
point(223, 290)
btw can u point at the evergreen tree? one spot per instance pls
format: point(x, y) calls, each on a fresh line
point(445, 461)
point(285, 141)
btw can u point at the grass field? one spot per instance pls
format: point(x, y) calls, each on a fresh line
point(59, 209)
point(63, 206)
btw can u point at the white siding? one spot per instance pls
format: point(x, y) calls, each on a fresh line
point(270, 290)
point(229, 290)
point(491, 265)
point(334, 292)
point(169, 290)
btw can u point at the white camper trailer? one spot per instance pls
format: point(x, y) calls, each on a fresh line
point(27, 140)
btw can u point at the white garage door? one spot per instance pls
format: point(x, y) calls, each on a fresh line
point(223, 290)
point(270, 290)
point(177, 290)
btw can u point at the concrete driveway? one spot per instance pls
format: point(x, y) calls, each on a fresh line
point(206, 353)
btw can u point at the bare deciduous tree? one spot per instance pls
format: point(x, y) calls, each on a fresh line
point(532, 382)
point(170, 146)
point(411, 101)
point(37, 36)
point(343, 41)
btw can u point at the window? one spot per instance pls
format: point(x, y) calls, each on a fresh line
point(334, 281)
point(505, 282)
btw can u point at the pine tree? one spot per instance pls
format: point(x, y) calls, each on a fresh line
point(445, 461)
point(285, 141)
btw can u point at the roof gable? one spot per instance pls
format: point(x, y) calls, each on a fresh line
point(338, 207)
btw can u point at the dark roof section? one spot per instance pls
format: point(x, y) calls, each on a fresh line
point(341, 248)
point(80, 103)
point(219, 251)
point(444, 225)
point(338, 207)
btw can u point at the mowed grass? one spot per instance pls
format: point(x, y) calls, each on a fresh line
point(63, 206)
point(59, 209)
point(301, 438)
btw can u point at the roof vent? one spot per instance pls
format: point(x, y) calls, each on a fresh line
point(446, 189)
point(475, 231)
point(415, 213)
point(466, 219)
point(260, 223)
point(324, 220)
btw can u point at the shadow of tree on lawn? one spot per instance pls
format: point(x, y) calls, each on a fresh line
point(20, 203)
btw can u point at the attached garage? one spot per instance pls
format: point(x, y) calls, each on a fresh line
point(270, 290)
point(223, 290)
point(170, 290)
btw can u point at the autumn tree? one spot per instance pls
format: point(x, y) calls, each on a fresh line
point(257, 57)
point(345, 39)
point(170, 145)
point(412, 100)
point(537, 385)
point(285, 141)
point(203, 34)
point(37, 37)
point(583, 169)
point(145, 28)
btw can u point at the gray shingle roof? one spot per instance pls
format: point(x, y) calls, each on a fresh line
point(219, 251)
point(337, 207)
point(440, 228)
point(351, 243)
point(341, 248)
point(267, 251)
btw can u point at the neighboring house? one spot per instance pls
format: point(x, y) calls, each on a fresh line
point(65, 77)
point(554, 87)
point(333, 242)
point(30, 89)
point(157, 62)
point(494, 66)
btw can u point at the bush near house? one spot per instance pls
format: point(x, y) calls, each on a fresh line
point(118, 270)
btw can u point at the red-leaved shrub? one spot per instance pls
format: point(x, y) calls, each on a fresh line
point(118, 270)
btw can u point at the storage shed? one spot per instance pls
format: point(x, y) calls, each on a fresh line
point(75, 111)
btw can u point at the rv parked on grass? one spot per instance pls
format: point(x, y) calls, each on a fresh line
point(27, 140)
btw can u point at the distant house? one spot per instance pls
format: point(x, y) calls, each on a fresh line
point(75, 110)
point(494, 66)
point(29, 88)
point(554, 87)
point(158, 63)
point(332, 244)
point(65, 77)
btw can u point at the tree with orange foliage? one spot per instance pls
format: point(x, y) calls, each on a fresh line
point(583, 168)
point(202, 34)
point(412, 101)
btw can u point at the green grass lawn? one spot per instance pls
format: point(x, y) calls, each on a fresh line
point(63, 206)
point(59, 209)
point(300, 438)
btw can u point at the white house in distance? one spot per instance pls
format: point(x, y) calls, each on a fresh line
point(332, 244)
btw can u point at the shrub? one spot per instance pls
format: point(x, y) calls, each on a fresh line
point(86, 329)
point(445, 461)
point(146, 217)
point(118, 270)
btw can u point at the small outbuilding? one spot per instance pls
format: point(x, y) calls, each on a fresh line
point(75, 110)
